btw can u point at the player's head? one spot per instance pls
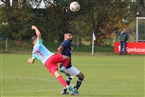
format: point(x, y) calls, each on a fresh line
point(68, 35)
point(34, 40)
point(124, 29)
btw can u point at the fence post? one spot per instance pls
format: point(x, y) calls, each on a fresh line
point(6, 45)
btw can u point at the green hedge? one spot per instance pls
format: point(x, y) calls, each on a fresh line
point(26, 46)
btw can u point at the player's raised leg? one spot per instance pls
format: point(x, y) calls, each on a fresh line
point(65, 63)
point(51, 65)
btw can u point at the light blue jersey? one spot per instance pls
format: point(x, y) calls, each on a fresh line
point(40, 52)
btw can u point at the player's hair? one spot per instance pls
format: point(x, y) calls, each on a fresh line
point(68, 32)
point(33, 38)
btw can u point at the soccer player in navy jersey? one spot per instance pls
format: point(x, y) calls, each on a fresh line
point(66, 48)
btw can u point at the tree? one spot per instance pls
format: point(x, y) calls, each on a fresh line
point(105, 18)
point(101, 16)
point(18, 17)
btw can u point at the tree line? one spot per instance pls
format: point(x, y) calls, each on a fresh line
point(104, 17)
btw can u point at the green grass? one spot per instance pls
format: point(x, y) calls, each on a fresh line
point(105, 76)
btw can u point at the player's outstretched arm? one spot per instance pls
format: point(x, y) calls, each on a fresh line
point(36, 31)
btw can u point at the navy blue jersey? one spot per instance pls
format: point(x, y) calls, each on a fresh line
point(66, 44)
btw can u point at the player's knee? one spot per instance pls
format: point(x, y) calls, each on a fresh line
point(65, 57)
point(81, 76)
point(56, 74)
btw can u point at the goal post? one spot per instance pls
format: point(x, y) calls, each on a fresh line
point(137, 28)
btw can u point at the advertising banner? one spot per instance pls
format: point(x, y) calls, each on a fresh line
point(132, 47)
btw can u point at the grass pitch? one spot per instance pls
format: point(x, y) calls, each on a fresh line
point(105, 76)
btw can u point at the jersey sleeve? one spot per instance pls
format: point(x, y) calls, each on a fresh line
point(39, 41)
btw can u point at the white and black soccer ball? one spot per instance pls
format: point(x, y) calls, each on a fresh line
point(74, 6)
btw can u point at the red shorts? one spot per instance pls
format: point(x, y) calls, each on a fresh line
point(51, 63)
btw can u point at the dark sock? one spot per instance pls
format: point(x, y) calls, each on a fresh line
point(68, 80)
point(78, 83)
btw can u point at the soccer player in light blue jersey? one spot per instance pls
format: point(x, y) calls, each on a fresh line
point(48, 58)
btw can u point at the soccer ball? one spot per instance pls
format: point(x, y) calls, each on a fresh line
point(74, 6)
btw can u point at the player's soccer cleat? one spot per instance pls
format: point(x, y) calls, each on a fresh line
point(75, 92)
point(71, 89)
point(64, 92)
point(62, 69)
